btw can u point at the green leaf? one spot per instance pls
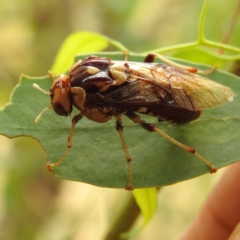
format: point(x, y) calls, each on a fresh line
point(147, 202)
point(146, 199)
point(76, 43)
point(96, 156)
point(199, 55)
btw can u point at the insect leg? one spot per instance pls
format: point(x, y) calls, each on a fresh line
point(151, 56)
point(152, 128)
point(75, 120)
point(119, 128)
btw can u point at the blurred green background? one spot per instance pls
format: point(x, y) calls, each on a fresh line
point(35, 205)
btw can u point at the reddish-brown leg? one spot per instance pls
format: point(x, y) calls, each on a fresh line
point(152, 128)
point(151, 56)
point(75, 120)
point(119, 128)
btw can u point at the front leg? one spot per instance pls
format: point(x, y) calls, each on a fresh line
point(152, 128)
point(75, 120)
point(151, 56)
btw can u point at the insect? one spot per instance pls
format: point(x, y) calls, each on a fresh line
point(101, 89)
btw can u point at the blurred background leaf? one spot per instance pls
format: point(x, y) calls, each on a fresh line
point(146, 200)
point(78, 42)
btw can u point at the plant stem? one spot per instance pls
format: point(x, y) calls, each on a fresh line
point(230, 25)
point(201, 38)
point(202, 41)
point(174, 47)
point(222, 46)
point(124, 219)
point(117, 44)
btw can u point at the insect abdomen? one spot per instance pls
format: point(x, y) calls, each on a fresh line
point(171, 114)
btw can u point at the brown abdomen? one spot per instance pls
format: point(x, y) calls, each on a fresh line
point(172, 114)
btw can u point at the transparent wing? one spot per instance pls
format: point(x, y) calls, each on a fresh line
point(181, 88)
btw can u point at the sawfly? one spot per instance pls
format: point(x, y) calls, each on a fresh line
point(101, 88)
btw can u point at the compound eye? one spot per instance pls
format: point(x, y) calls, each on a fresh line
point(61, 102)
point(58, 109)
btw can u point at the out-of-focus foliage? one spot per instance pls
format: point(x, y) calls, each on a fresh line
point(33, 205)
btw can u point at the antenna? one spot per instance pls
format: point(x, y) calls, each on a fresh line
point(41, 113)
point(45, 109)
point(40, 89)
